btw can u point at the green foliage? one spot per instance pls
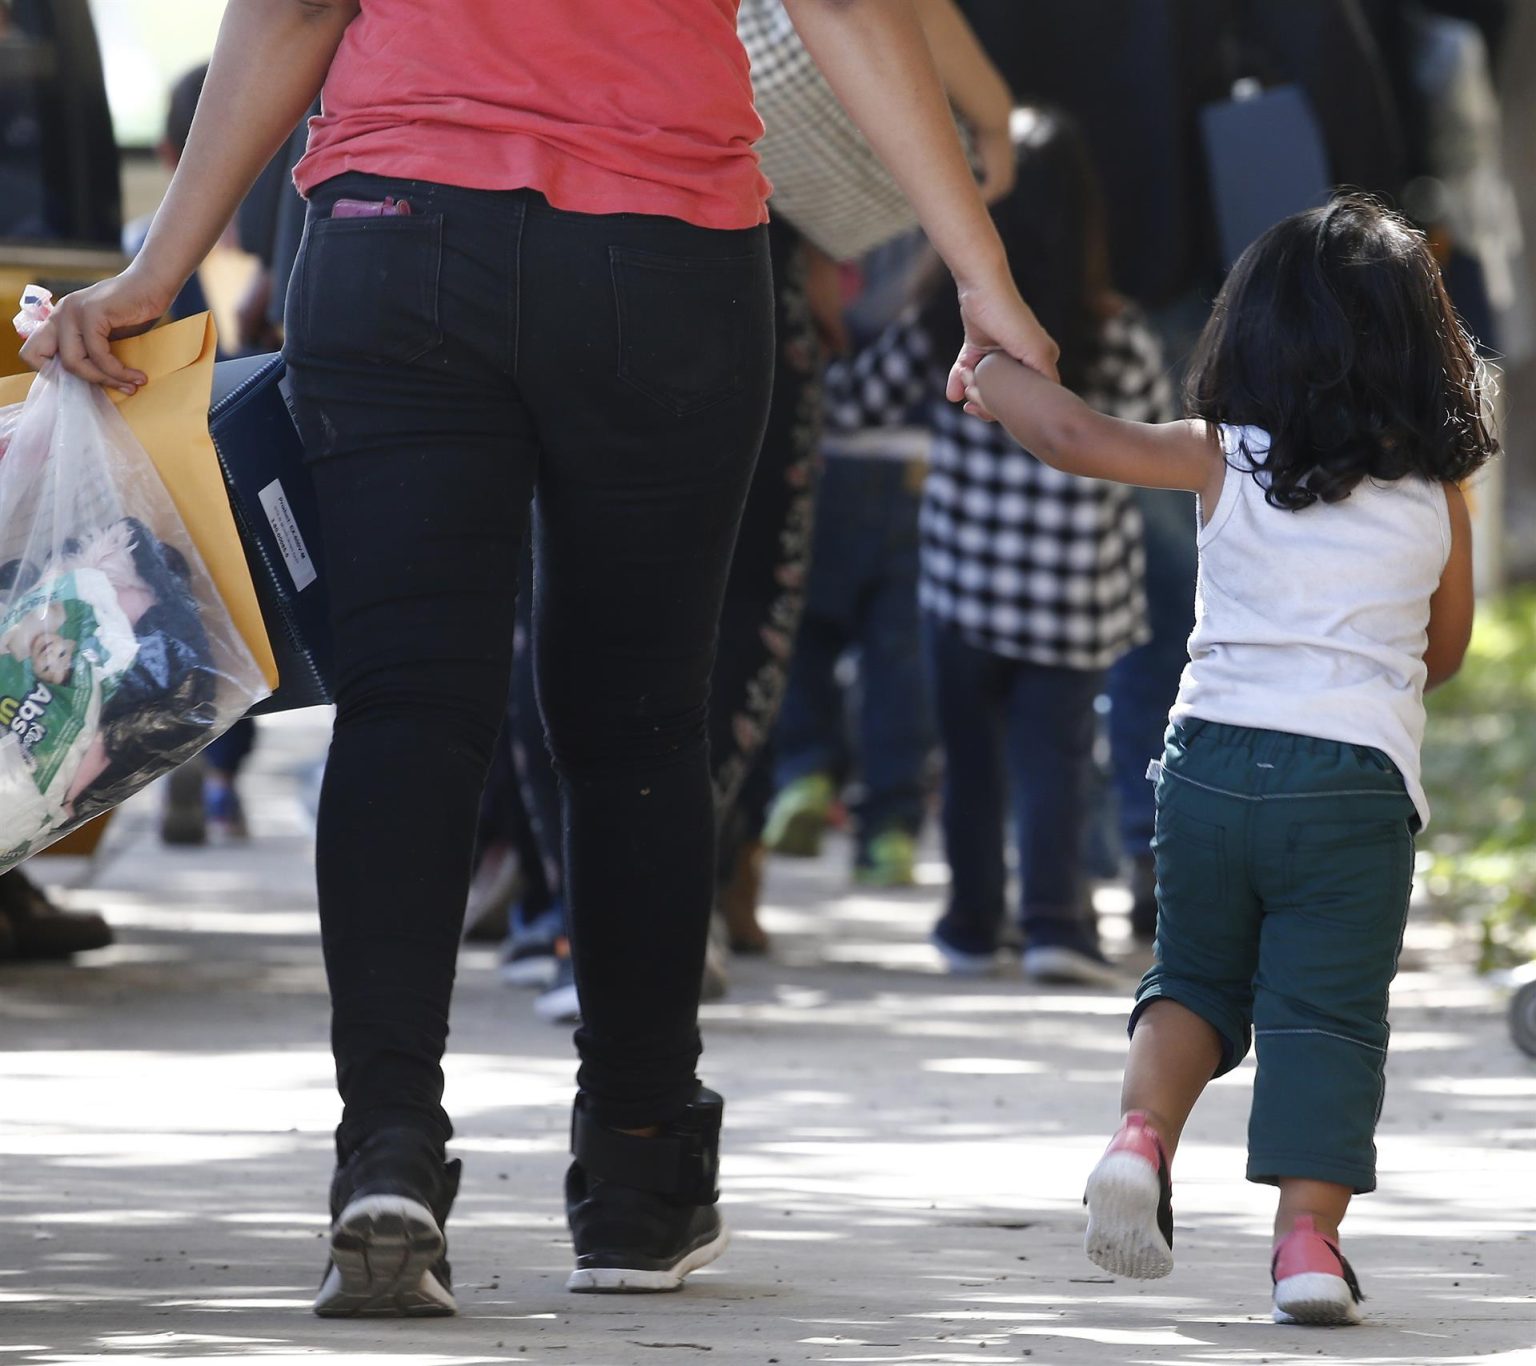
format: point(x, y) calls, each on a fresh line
point(1480, 773)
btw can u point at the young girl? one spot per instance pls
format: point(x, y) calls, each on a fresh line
point(1030, 579)
point(1337, 405)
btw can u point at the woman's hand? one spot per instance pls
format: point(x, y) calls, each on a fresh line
point(83, 325)
point(997, 319)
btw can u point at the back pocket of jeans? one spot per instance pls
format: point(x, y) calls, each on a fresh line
point(682, 326)
point(1191, 859)
point(368, 288)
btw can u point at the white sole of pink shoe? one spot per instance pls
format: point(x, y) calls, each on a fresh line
point(1123, 1236)
point(1315, 1299)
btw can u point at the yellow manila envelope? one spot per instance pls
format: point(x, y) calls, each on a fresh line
point(169, 415)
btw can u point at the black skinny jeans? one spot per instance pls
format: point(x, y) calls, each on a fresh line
point(445, 364)
point(764, 594)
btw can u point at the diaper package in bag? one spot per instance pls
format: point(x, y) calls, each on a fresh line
point(118, 659)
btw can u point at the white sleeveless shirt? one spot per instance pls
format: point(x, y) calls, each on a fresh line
point(1315, 622)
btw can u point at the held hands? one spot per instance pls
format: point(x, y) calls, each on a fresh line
point(997, 319)
point(85, 323)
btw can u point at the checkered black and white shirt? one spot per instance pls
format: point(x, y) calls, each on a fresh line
point(1024, 560)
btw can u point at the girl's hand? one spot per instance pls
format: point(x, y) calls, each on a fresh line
point(997, 319)
point(84, 324)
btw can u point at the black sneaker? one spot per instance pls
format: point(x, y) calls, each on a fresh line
point(643, 1210)
point(1072, 961)
point(37, 929)
point(389, 1202)
point(530, 957)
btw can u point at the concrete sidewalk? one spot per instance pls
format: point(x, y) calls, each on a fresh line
point(904, 1161)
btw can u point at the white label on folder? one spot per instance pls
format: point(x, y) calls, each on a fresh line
point(286, 528)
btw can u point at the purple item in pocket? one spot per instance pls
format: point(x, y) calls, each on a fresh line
point(370, 208)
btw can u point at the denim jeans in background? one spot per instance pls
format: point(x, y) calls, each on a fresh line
point(229, 752)
point(1143, 683)
point(446, 364)
point(1016, 739)
point(862, 598)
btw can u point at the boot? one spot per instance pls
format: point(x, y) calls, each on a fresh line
point(643, 1210)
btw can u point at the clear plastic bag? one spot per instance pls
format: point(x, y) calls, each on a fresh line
point(118, 659)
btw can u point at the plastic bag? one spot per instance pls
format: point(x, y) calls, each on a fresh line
point(118, 660)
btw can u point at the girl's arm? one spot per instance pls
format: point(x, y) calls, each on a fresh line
point(1451, 607)
point(268, 65)
point(977, 89)
point(875, 57)
point(1055, 426)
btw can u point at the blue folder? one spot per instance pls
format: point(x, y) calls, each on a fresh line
point(262, 459)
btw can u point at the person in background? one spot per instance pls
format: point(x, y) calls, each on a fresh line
point(516, 277)
point(181, 106)
point(1031, 580)
point(861, 609)
point(1336, 406)
point(774, 565)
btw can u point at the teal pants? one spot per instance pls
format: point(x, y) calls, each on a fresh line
point(1284, 865)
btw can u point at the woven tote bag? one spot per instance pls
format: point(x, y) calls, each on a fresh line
point(827, 180)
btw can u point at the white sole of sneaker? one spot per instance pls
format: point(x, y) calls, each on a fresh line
point(536, 971)
point(1123, 1236)
point(383, 1248)
point(1316, 1299)
point(958, 963)
point(559, 1005)
point(618, 1281)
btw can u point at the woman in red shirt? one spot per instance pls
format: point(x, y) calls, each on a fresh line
point(534, 260)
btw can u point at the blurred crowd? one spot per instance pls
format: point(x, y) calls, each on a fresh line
point(955, 631)
point(925, 625)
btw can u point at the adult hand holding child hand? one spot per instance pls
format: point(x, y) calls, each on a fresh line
point(998, 320)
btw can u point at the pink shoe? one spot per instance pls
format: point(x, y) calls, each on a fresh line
point(1130, 1204)
point(1313, 1282)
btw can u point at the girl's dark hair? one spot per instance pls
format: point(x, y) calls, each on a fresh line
point(1335, 334)
point(1056, 235)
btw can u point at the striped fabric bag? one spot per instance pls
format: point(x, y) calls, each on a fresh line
point(827, 180)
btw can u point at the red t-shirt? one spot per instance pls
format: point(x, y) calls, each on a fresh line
point(604, 106)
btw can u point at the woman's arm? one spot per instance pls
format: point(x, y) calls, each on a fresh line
point(874, 55)
point(977, 89)
point(268, 66)
point(1055, 426)
point(1451, 608)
